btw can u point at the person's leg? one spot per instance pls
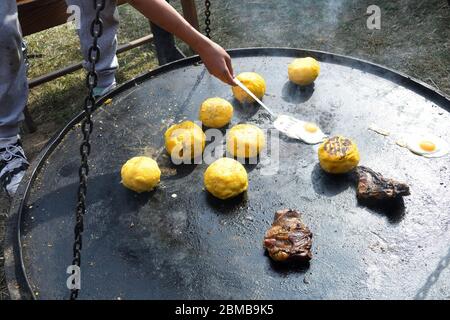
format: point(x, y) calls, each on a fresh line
point(107, 65)
point(13, 79)
point(13, 97)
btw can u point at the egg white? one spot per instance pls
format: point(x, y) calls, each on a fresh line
point(413, 144)
point(295, 128)
point(310, 137)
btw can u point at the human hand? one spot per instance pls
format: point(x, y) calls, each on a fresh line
point(215, 58)
point(217, 61)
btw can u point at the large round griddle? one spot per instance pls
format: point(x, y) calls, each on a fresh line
point(156, 245)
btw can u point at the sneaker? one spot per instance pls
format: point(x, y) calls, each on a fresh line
point(13, 164)
point(101, 91)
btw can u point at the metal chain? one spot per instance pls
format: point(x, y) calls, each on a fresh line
point(433, 277)
point(207, 20)
point(86, 129)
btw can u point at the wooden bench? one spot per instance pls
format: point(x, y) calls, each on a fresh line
point(39, 15)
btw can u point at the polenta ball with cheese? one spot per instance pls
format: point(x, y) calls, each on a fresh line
point(254, 82)
point(245, 141)
point(303, 71)
point(215, 112)
point(140, 174)
point(338, 155)
point(225, 178)
point(184, 141)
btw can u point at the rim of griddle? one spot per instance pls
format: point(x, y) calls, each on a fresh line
point(19, 285)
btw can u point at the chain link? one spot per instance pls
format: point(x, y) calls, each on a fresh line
point(207, 20)
point(433, 277)
point(96, 31)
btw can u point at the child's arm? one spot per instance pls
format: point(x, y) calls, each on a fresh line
point(215, 58)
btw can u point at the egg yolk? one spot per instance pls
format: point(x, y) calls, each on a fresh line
point(427, 146)
point(310, 127)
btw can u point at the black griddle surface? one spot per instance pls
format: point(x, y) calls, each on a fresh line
point(191, 246)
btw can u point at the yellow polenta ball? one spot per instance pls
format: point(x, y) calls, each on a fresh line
point(254, 82)
point(338, 155)
point(303, 71)
point(215, 112)
point(140, 174)
point(225, 178)
point(185, 140)
point(245, 141)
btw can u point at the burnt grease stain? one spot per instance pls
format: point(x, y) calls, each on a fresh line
point(182, 170)
point(69, 169)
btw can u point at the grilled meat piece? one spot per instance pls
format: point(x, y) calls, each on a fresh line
point(288, 238)
point(373, 186)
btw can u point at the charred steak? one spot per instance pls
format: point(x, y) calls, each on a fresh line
point(373, 186)
point(288, 238)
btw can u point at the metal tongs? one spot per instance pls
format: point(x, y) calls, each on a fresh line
point(288, 125)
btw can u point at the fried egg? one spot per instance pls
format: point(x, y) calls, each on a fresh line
point(308, 132)
point(427, 146)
